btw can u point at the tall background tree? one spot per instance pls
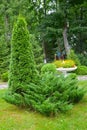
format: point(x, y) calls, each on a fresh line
point(74, 32)
point(48, 20)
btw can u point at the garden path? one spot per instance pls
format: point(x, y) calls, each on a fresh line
point(82, 77)
point(3, 85)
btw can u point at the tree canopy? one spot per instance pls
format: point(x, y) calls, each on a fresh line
point(46, 20)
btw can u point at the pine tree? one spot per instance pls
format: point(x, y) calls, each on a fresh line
point(22, 65)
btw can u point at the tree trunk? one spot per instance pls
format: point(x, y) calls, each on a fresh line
point(45, 8)
point(66, 44)
point(44, 52)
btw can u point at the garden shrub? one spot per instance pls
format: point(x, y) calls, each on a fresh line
point(61, 92)
point(74, 57)
point(83, 59)
point(4, 77)
point(69, 63)
point(58, 63)
point(51, 95)
point(22, 66)
point(81, 70)
point(64, 63)
point(48, 93)
point(49, 67)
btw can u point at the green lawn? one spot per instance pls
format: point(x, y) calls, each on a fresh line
point(14, 118)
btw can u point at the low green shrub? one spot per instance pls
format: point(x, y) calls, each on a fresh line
point(48, 68)
point(58, 63)
point(51, 95)
point(69, 63)
point(4, 77)
point(81, 70)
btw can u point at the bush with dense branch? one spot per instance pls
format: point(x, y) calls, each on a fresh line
point(49, 93)
point(22, 65)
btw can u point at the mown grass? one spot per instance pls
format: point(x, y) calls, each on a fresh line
point(14, 118)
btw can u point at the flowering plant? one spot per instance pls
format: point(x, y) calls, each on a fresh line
point(64, 63)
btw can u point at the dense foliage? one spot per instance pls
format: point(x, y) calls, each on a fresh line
point(81, 70)
point(83, 58)
point(48, 93)
point(64, 63)
point(74, 57)
point(4, 76)
point(37, 51)
point(4, 57)
point(51, 68)
point(46, 20)
point(22, 65)
point(53, 94)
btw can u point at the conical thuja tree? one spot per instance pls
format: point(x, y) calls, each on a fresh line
point(22, 65)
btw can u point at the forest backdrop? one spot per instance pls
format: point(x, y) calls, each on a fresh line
point(53, 24)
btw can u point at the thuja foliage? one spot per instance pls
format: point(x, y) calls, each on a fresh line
point(22, 65)
point(49, 93)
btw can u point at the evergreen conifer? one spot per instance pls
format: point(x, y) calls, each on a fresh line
point(22, 65)
point(50, 93)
